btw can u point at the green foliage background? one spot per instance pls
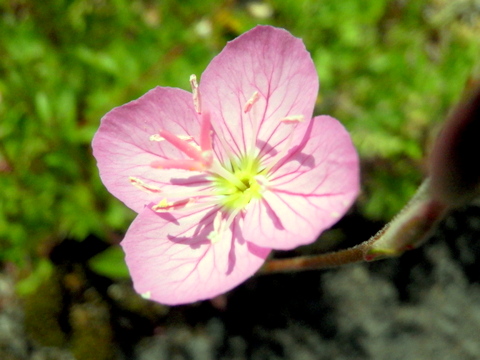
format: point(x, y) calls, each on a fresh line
point(389, 70)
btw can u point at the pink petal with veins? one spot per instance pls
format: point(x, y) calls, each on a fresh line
point(258, 95)
point(123, 148)
point(274, 63)
point(309, 192)
point(171, 260)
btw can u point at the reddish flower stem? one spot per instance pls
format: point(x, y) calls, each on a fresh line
point(409, 229)
point(455, 180)
point(322, 261)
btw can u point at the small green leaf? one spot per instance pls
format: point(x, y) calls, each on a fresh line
point(42, 271)
point(110, 263)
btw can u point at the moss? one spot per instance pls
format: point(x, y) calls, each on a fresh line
point(92, 336)
point(43, 308)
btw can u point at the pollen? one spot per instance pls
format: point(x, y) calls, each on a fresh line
point(165, 206)
point(293, 119)
point(146, 295)
point(143, 186)
point(253, 99)
point(196, 94)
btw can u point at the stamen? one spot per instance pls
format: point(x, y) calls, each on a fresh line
point(231, 217)
point(229, 151)
point(206, 132)
point(216, 235)
point(292, 119)
point(220, 225)
point(207, 157)
point(255, 124)
point(218, 169)
point(142, 186)
point(165, 206)
point(200, 157)
point(196, 94)
point(191, 165)
point(157, 137)
point(182, 145)
point(253, 99)
point(191, 203)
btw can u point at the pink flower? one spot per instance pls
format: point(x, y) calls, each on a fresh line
point(220, 178)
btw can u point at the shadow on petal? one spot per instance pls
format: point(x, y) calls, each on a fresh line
point(273, 216)
point(256, 250)
point(200, 234)
point(303, 159)
point(194, 180)
point(194, 243)
point(232, 258)
point(237, 231)
point(266, 148)
point(164, 215)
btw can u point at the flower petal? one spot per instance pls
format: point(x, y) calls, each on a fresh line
point(309, 192)
point(172, 261)
point(124, 149)
point(273, 63)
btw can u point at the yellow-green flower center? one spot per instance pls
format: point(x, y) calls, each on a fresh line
point(242, 186)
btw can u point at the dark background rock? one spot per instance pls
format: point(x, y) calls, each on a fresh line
point(423, 305)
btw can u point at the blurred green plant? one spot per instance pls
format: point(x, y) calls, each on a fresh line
point(389, 70)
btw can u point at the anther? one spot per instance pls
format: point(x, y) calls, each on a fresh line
point(216, 235)
point(166, 206)
point(196, 94)
point(142, 186)
point(253, 99)
point(255, 124)
point(201, 157)
point(156, 137)
point(292, 119)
